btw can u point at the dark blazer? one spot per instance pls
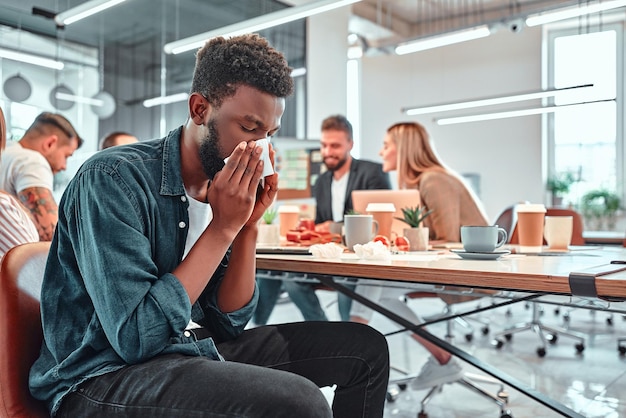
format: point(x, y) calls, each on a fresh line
point(364, 175)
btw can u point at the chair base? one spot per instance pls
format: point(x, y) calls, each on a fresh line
point(539, 328)
point(501, 398)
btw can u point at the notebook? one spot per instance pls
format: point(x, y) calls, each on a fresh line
point(399, 198)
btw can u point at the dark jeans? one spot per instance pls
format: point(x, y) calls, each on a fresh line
point(304, 297)
point(269, 291)
point(295, 360)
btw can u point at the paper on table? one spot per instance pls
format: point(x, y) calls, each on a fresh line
point(328, 250)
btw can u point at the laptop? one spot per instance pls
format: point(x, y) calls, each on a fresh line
point(399, 198)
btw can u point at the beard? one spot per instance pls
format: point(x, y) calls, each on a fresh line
point(211, 153)
point(337, 166)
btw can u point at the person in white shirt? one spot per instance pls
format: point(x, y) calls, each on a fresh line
point(16, 226)
point(27, 168)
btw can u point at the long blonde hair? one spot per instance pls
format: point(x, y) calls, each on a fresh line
point(415, 155)
point(3, 131)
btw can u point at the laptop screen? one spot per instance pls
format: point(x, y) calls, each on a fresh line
point(399, 198)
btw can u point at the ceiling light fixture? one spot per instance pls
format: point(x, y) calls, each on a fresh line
point(443, 40)
point(571, 12)
point(79, 99)
point(84, 10)
point(514, 113)
point(162, 100)
point(256, 24)
point(298, 72)
point(489, 101)
point(31, 59)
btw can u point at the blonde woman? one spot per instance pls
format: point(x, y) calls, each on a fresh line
point(407, 149)
point(16, 225)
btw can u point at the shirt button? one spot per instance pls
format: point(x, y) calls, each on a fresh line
point(187, 334)
point(181, 224)
point(183, 198)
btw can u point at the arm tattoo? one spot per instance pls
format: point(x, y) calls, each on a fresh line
point(44, 210)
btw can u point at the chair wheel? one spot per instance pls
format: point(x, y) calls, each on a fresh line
point(504, 395)
point(392, 393)
point(508, 337)
point(621, 349)
point(609, 321)
point(497, 343)
point(469, 337)
point(541, 351)
point(565, 317)
point(580, 347)
point(484, 330)
point(402, 386)
point(552, 338)
point(422, 415)
point(506, 414)
point(557, 311)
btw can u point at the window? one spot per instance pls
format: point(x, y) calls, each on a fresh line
point(587, 141)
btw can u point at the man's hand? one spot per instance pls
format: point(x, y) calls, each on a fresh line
point(232, 193)
point(266, 194)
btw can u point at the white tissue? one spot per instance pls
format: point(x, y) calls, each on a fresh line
point(268, 168)
point(373, 250)
point(329, 250)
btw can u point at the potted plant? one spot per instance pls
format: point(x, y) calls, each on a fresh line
point(559, 185)
point(269, 233)
point(599, 206)
point(417, 234)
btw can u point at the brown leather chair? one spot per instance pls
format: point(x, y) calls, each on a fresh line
point(21, 275)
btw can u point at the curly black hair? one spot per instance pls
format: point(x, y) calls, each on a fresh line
point(222, 65)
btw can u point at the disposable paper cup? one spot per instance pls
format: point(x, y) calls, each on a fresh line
point(288, 217)
point(557, 231)
point(530, 226)
point(383, 214)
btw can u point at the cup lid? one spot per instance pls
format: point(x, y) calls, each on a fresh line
point(380, 207)
point(530, 207)
point(288, 209)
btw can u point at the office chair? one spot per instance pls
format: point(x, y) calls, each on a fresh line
point(535, 323)
point(21, 335)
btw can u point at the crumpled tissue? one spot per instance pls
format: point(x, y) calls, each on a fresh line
point(373, 250)
point(328, 250)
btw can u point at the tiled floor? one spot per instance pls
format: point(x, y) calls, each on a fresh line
point(592, 383)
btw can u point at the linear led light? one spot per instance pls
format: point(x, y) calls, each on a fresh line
point(161, 100)
point(443, 40)
point(298, 72)
point(79, 99)
point(84, 10)
point(568, 13)
point(513, 113)
point(31, 59)
point(256, 24)
point(489, 101)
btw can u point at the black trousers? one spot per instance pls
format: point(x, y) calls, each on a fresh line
point(271, 371)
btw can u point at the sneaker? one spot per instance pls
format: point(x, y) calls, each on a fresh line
point(434, 374)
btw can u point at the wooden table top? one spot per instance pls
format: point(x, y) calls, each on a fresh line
point(533, 273)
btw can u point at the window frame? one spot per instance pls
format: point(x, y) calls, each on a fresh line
point(551, 33)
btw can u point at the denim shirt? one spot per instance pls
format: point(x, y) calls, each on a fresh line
point(109, 298)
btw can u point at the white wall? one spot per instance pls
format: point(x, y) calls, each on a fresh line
point(506, 153)
point(327, 49)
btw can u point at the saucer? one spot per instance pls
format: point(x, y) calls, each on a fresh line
point(480, 255)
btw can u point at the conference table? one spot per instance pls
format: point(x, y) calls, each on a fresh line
point(588, 271)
